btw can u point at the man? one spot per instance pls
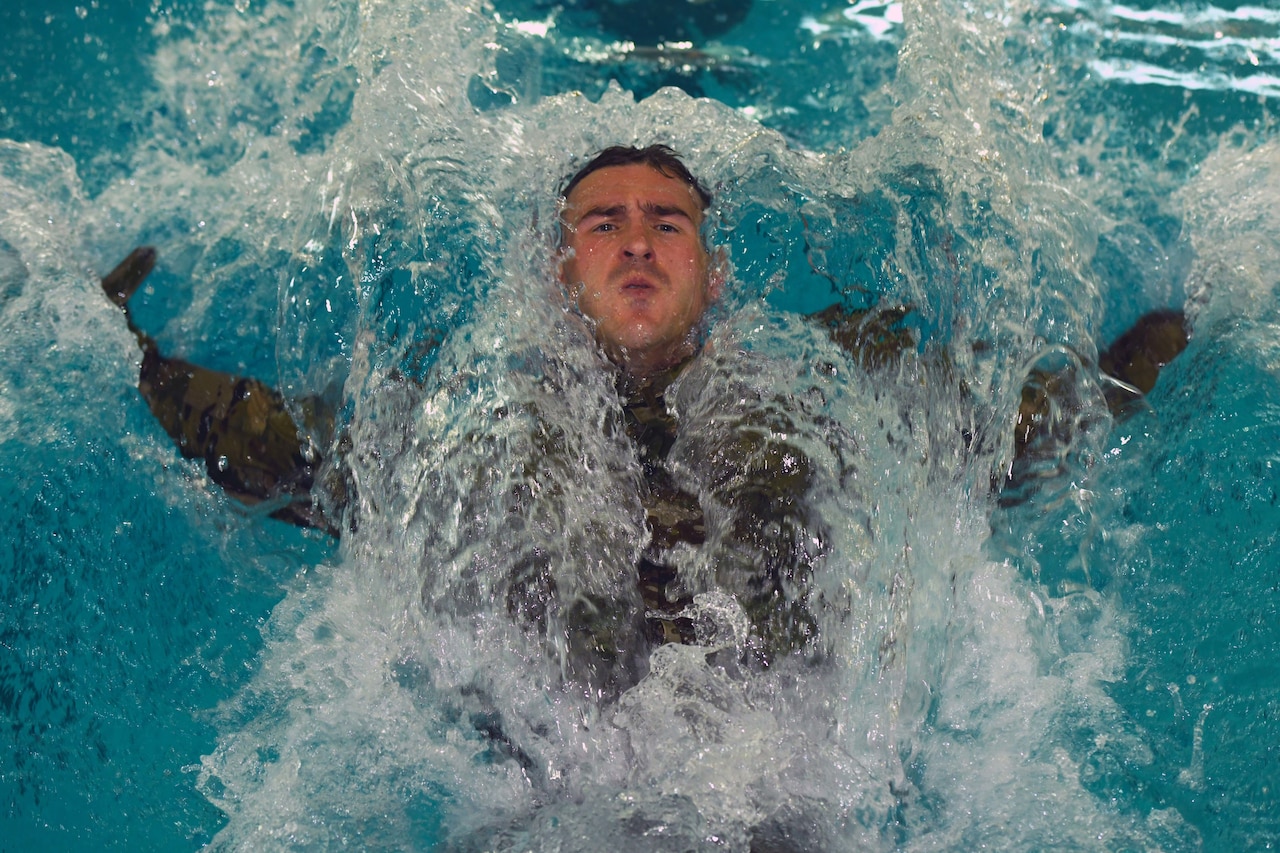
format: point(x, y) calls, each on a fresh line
point(634, 259)
point(636, 266)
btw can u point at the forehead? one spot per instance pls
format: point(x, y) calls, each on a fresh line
point(634, 184)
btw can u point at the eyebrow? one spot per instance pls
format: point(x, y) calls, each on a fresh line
point(665, 210)
point(649, 208)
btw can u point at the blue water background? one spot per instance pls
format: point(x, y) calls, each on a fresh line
point(135, 595)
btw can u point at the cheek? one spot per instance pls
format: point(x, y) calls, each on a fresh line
point(591, 301)
point(578, 264)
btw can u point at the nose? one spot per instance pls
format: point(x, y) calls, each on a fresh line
point(636, 243)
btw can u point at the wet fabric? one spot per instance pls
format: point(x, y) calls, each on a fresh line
point(770, 542)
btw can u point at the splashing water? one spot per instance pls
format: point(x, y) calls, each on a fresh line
point(358, 201)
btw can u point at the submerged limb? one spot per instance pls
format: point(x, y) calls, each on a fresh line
point(1052, 412)
point(1136, 358)
point(874, 339)
point(774, 547)
point(240, 427)
point(122, 282)
point(1129, 369)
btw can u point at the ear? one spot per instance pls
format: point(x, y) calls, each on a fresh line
point(570, 289)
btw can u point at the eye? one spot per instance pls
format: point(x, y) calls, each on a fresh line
point(603, 227)
point(668, 228)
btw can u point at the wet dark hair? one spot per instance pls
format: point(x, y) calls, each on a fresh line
point(659, 157)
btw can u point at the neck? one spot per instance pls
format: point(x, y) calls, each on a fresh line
point(655, 381)
point(640, 366)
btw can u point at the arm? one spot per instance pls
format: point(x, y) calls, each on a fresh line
point(238, 426)
point(1129, 369)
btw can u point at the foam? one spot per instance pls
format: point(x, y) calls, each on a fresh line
point(400, 242)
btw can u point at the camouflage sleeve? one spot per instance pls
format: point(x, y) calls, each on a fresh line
point(1049, 400)
point(240, 427)
point(1128, 369)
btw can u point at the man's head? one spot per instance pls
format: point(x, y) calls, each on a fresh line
point(633, 256)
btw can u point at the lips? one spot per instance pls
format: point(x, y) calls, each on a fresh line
point(634, 281)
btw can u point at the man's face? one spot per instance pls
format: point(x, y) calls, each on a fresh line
point(634, 261)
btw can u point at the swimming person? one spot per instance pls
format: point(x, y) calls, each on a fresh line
point(635, 264)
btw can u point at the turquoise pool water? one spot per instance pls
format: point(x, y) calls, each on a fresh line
point(337, 187)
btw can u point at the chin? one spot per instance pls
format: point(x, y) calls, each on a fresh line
point(635, 338)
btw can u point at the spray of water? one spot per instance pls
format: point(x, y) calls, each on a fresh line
point(424, 686)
